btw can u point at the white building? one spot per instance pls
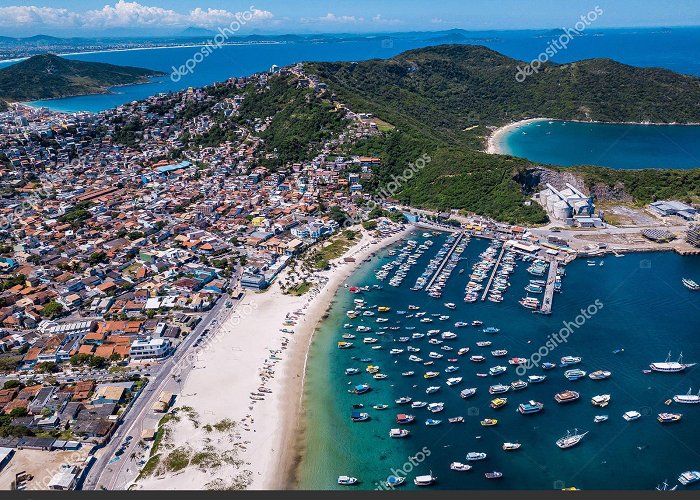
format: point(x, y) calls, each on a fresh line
point(150, 348)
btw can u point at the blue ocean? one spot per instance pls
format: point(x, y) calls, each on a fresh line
point(642, 311)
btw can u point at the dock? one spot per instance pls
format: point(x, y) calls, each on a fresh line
point(444, 261)
point(493, 273)
point(549, 290)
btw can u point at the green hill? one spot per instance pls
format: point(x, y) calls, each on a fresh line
point(432, 95)
point(49, 76)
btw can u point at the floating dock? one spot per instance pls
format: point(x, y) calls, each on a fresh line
point(493, 273)
point(444, 261)
point(549, 290)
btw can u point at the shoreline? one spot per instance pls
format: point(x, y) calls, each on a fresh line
point(494, 140)
point(250, 353)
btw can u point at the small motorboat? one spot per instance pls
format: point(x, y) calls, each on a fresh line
point(488, 422)
point(493, 475)
point(511, 446)
point(460, 467)
point(380, 407)
point(600, 418)
point(456, 420)
point(474, 456)
point(346, 480)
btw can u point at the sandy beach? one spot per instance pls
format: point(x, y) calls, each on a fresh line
point(494, 141)
point(239, 408)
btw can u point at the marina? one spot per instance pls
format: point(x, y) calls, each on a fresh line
point(431, 401)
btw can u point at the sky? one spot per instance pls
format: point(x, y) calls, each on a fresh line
point(159, 17)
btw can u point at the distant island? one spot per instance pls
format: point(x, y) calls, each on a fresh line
point(49, 76)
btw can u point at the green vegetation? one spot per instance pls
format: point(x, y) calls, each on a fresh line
point(89, 360)
point(177, 459)
point(324, 252)
point(52, 310)
point(432, 95)
point(49, 76)
point(300, 289)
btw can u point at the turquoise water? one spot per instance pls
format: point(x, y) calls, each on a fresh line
point(606, 145)
point(677, 49)
point(645, 310)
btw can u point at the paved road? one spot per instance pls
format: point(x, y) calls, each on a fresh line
point(119, 474)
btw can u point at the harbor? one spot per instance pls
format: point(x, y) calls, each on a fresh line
point(425, 364)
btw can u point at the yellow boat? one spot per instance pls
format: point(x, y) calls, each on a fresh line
point(372, 369)
point(431, 374)
point(383, 309)
point(498, 403)
point(487, 422)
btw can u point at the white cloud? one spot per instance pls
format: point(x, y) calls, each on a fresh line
point(332, 18)
point(380, 20)
point(124, 14)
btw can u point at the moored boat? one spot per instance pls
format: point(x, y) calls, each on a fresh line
point(460, 467)
point(570, 439)
point(566, 396)
point(346, 480)
point(688, 398)
point(530, 407)
point(399, 433)
point(599, 375)
point(669, 418)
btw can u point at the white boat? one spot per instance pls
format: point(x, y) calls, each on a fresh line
point(425, 480)
point(454, 380)
point(601, 400)
point(600, 418)
point(690, 284)
point(346, 480)
point(669, 366)
point(459, 466)
point(631, 415)
point(418, 404)
point(436, 407)
point(689, 477)
point(570, 439)
point(474, 456)
point(467, 393)
point(688, 398)
point(399, 433)
point(511, 446)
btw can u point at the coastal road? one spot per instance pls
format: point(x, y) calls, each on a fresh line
point(119, 474)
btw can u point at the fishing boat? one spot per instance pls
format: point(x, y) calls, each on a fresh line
point(357, 416)
point(570, 360)
point(408, 373)
point(536, 379)
point(601, 400)
point(518, 385)
point(631, 415)
point(566, 396)
point(574, 374)
point(344, 345)
point(454, 380)
point(690, 284)
point(403, 418)
point(380, 407)
point(456, 420)
point(669, 366)
point(361, 388)
point(548, 366)
point(426, 480)
point(498, 403)
point(530, 407)
point(599, 375)
point(669, 418)
point(488, 422)
point(399, 433)
point(431, 374)
point(352, 371)
point(347, 480)
point(467, 393)
point(436, 407)
point(491, 329)
point(511, 446)
point(688, 398)
point(497, 370)
point(600, 418)
point(493, 475)
point(460, 467)
point(570, 439)
point(403, 400)
point(689, 477)
point(474, 456)
point(498, 389)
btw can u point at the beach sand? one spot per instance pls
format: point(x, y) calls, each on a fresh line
point(494, 144)
point(259, 450)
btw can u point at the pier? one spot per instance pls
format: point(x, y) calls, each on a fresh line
point(549, 290)
point(493, 273)
point(444, 261)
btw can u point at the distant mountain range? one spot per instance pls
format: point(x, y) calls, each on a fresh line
point(50, 76)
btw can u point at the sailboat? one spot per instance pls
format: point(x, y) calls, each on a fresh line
point(669, 366)
point(570, 439)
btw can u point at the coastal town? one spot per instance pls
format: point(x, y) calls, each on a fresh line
point(130, 236)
